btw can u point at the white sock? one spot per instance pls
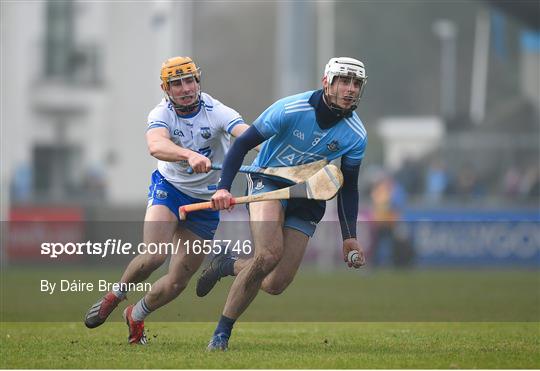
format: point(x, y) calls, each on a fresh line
point(118, 293)
point(140, 310)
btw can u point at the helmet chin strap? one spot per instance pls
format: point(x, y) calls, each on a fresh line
point(186, 109)
point(342, 112)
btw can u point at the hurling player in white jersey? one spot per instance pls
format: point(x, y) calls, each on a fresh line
point(314, 124)
point(187, 128)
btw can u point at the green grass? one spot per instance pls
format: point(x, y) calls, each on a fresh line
point(340, 319)
point(443, 295)
point(275, 345)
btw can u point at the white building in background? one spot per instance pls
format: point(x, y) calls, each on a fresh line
point(76, 91)
point(409, 138)
point(79, 78)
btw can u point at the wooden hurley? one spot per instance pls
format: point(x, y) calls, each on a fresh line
point(323, 185)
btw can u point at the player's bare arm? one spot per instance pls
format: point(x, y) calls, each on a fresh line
point(161, 147)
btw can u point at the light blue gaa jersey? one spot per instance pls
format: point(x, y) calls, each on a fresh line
point(295, 138)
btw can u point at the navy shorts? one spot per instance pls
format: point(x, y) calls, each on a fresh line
point(203, 223)
point(300, 214)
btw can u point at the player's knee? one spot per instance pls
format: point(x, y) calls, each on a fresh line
point(262, 265)
point(268, 261)
point(275, 286)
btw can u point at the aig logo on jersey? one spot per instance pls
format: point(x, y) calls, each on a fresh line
point(205, 132)
point(333, 146)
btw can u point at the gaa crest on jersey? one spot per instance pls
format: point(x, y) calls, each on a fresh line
point(161, 195)
point(259, 185)
point(205, 132)
point(333, 146)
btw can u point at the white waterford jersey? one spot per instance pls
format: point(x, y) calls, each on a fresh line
point(207, 132)
point(295, 138)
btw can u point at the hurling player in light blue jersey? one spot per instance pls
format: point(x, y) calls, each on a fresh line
point(295, 130)
point(188, 128)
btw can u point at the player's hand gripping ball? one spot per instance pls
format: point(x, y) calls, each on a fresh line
point(353, 256)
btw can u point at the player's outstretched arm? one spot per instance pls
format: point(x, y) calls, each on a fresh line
point(161, 147)
point(348, 214)
point(235, 156)
point(239, 130)
point(233, 160)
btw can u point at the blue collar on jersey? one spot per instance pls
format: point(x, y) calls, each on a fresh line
point(190, 115)
point(326, 118)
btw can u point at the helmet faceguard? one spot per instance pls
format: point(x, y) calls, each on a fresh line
point(345, 82)
point(180, 68)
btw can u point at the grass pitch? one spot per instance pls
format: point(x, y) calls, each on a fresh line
point(342, 319)
point(417, 295)
point(275, 345)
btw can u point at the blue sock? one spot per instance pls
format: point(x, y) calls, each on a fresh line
point(225, 326)
point(226, 267)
